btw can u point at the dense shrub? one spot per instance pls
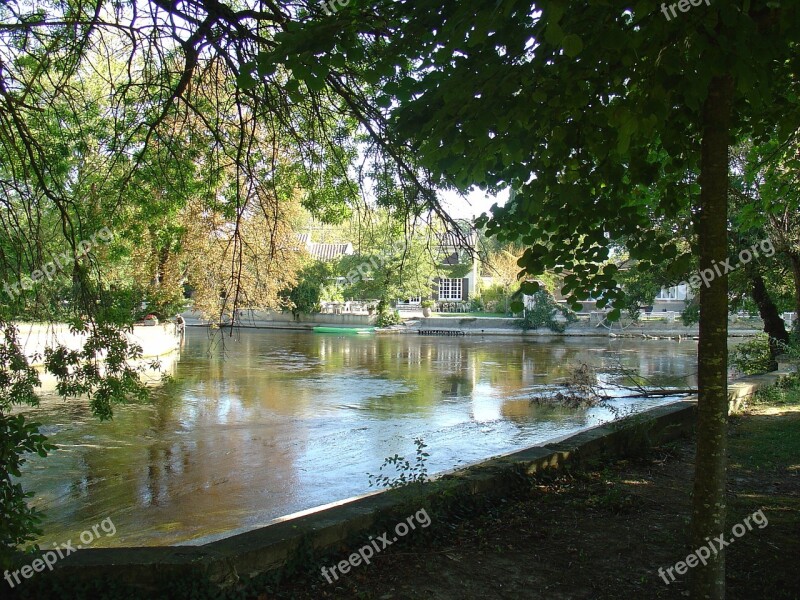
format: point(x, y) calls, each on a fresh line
point(543, 313)
point(496, 298)
point(476, 304)
point(786, 391)
point(388, 317)
point(691, 313)
point(313, 285)
point(752, 356)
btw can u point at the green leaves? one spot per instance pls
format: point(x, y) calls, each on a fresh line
point(18, 379)
point(405, 472)
point(553, 34)
point(313, 75)
point(78, 371)
point(572, 45)
point(245, 80)
point(544, 311)
point(18, 437)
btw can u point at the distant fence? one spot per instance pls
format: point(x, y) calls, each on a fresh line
point(442, 332)
point(347, 308)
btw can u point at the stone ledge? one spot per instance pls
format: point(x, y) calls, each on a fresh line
point(741, 390)
point(788, 364)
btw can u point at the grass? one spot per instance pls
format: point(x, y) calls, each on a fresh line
point(767, 436)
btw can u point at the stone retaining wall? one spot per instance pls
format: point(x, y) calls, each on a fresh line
point(155, 341)
point(511, 327)
point(257, 319)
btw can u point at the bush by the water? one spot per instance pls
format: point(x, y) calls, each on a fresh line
point(388, 317)
point(752, 357)
point(543, 313)
point(495, 298)
point(785, 391)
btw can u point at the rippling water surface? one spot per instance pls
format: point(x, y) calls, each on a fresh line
point(288, 421)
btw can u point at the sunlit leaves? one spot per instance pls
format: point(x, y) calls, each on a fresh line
point(596, 127)
point(18, 379)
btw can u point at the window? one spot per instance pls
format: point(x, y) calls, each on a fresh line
point(450, 289)
point(676, 292)
point(413, 300)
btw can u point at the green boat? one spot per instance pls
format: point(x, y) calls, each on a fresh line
point(344, 330)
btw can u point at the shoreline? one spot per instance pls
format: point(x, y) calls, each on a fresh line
point(478, 327)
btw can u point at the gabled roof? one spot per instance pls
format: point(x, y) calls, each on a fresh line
point(324, 252)
point(329, 251)
point(451, 239)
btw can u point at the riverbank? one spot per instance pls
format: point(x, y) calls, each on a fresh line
point(594, 529)
point(600, 533)
point(666, 328)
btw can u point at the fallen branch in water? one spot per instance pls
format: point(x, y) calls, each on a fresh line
point(581, 390)
point(567, 400)
point(652, 393)
point(572, 400)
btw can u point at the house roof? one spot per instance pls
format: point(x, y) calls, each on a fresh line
point(324, 251)
point(451, 239)
point(329, 251)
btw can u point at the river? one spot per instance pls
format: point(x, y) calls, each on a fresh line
point(287, 421)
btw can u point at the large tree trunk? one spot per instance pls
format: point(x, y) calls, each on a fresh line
point(794, 258)
point(774, 326)
point(708, 500)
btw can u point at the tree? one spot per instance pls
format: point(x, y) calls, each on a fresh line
point(396, 257)
point(606, 121)
point(503, 267)
point(770, 172)
point(103, 126)
point(309, 290)
point(749, 229)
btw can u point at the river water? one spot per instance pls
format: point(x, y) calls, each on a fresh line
point(287, 421)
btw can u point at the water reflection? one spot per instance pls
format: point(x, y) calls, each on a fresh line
point(288, 421)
